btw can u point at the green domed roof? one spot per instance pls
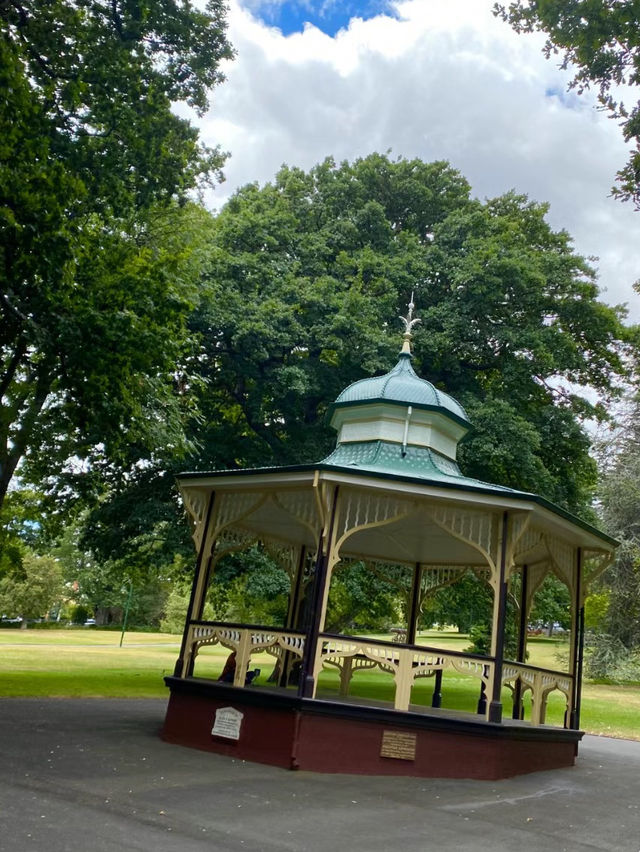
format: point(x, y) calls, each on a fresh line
point(401, 385)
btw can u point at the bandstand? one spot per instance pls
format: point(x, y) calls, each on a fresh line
point(391, 493)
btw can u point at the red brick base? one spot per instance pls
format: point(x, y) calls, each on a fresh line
point(286, 731)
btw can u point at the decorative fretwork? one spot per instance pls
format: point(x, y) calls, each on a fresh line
point(536, 576)
point(563, 560)
point(528, 543)
point(595, 563)
point(234, 506)
point(230, 541)
point(518, 528)
point(541, 683)
point(286, 556)
point(405, 664)
point(302, 506)
point(435, 577)
point(196, 501)
point(244, 641)
point(361, 510)
point(472, 526)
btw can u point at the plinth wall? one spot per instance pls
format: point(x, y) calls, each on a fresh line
point(284, 730)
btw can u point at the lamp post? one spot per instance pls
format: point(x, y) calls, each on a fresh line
point(126, 611)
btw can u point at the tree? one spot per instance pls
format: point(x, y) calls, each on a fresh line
point(551, 605)
point(619, 494)
point(34, 589)
point(310, 272)
point(306, 278)
point(93, 162)
point(601, 39)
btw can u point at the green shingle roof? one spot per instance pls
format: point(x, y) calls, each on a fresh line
point(403, 386)
point(387, 458)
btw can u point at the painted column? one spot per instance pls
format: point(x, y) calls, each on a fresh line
point(414, 605)
point(321, 580)
point(499, 618)
point(198, 589)
point(292, 614)
point(577, 645)
point(522, 640)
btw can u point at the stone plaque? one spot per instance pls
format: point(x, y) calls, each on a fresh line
point(400, 746)
point(227, 723)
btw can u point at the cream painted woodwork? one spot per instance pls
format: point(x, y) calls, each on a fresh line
point(442, 531)
point(398, 425)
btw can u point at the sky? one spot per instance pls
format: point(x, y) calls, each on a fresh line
point(429, 79)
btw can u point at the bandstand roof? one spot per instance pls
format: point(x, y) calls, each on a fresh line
point(397, 436)
point(401, 386)
point(410, 539)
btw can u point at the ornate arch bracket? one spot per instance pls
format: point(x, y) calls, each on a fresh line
point(195, 502)
point(537, 574)
point(563, 560)
point(359, 510)
point(303, 506)
point(474, 527)
point(596, 563)
point(234, 507)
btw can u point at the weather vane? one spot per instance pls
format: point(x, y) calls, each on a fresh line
point(409, 323)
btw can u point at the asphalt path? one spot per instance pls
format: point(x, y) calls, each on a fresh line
point(88, 774)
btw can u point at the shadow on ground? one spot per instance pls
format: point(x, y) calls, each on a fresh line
point(94, 775)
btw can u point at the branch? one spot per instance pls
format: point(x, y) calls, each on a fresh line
point(13, 366)
point(21, 437)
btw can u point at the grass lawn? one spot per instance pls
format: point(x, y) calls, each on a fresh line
point(86, 662)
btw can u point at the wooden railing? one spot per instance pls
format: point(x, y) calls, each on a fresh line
point(541, 683)
point(406, 663)
point(285, 645)
point(352, 654)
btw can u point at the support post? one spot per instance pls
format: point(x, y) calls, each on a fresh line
point(522, 641)
point(436, 698)
point(414, 604)
point(495, 705)
point(294, 605)
point(196, 590)
point(577, 645)
point(306, 687)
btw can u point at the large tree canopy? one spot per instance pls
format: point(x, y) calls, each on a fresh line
point(92, 158)
point(307, 277)
point(601, 39)
point(310, 272)
point(619, 493)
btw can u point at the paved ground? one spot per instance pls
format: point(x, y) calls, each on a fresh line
point(94, 775)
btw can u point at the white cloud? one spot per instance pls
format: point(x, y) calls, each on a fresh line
point(440, 81)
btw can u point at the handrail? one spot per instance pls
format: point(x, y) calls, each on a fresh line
point(238, 625)
point(429, 648)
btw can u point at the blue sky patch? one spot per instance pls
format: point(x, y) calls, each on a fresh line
point(329, 16)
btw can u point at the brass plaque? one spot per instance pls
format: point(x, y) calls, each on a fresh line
point(400, 746)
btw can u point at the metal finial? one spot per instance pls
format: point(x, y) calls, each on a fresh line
point(409, 323)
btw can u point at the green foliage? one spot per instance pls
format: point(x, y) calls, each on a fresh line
point(302, 282)
point(620, 508)
point(464, 604)
point(175, 611)
point(608, 659)
point(596, 609)
point(601, 38)
point(362, 600)
point(480, 635)
point(94, 168)
point(309, 273)
point(34, 589)
point(249, 587)
point(551, 603)
point(79, 614)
